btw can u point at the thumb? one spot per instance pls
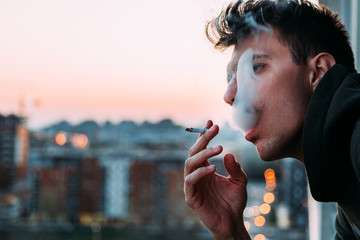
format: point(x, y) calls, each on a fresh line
point(234, 169)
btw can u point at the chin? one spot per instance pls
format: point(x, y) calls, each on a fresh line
point(281, 146)
point(267, 158)
point(269, 155)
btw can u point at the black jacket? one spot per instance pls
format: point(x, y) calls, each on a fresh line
point(331, 146)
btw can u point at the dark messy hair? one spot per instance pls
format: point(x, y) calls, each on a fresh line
point(306, 29)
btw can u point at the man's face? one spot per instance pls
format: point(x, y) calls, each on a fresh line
point(283, 90)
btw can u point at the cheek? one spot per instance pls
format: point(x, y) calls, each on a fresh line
point(291, 113)
point(283, 99)
point(280, 108)
point(264, 97)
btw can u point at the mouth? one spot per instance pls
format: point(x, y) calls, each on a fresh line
point(250, 134)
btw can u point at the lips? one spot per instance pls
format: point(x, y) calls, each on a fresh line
point(250, 134)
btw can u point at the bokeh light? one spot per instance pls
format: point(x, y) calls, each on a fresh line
point(269, 197)
point(259, 237)
point(270, 186)
point(247, 225)
point(259, 221)
point(79, 140)
point(270, 179)
point(265, 208)
point(269, 174)
point(256, 210)
point(248, 212)
point(60, 139)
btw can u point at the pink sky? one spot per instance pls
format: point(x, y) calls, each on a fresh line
point(111, 60)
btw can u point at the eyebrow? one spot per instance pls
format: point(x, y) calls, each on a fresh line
point(256, 56)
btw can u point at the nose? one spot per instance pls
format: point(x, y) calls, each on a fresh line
point(230, 93)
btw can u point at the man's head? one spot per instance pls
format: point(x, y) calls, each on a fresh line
point(291, 53)
point(306, 29)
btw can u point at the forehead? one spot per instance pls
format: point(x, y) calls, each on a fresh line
point(265, 44)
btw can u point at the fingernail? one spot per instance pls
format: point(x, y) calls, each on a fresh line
point(215, 148)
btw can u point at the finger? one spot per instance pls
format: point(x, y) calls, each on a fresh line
point(204, 140)
point(192, 179)
point(234, 169)
point(200, 159)
point(207, 125)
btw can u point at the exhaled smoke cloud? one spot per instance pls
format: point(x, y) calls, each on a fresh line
point(244, 113)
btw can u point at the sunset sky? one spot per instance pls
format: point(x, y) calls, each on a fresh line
point(111, 60)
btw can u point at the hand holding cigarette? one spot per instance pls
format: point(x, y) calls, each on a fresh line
point(215, 199)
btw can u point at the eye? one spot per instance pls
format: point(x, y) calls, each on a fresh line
point(258, 67)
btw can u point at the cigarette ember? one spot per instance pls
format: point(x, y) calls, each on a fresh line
point(196, 130)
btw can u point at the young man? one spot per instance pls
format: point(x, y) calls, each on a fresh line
point(307, 107)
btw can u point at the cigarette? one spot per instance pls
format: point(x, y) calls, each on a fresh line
point(196, 130)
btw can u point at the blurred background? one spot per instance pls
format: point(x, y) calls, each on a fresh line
point(94, 99)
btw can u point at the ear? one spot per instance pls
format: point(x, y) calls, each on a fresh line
point(320, 64)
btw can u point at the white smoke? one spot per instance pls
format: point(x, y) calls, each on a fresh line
point(244, 113)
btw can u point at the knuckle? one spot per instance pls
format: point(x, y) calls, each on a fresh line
point(192, 151)
point(206, 153)
point(187, 162)
point(187, 181)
